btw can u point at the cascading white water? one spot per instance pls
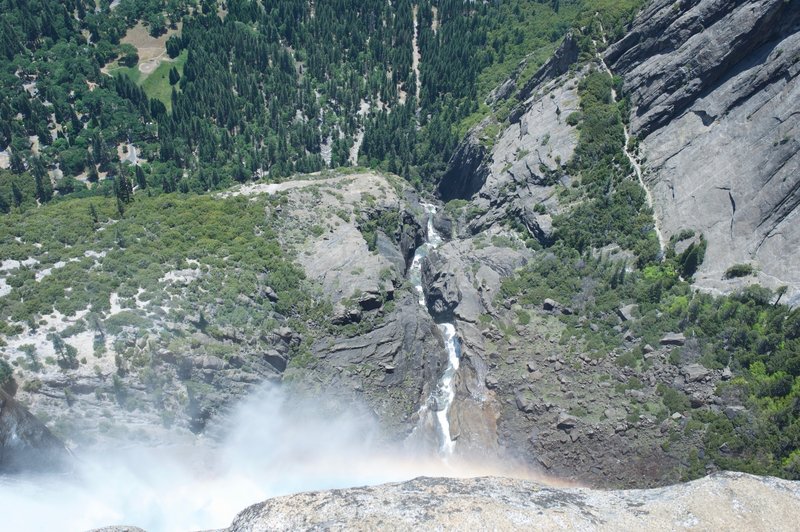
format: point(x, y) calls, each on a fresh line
point(445, 391)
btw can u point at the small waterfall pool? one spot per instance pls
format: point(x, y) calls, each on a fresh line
point(445, 392)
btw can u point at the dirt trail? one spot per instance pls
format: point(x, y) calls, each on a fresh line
point(637, 168)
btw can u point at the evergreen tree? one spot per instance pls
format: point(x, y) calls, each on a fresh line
point(44, 188)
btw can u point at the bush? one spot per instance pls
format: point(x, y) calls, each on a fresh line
point(739, 270)
point(6, 372)
point(674, 400)
point(574, 118)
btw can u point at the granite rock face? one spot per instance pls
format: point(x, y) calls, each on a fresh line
point(392, 368)
point(25, 443)
point(519, 166)
point(714, 89)
point(727, 501)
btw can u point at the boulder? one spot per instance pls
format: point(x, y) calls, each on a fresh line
point(566, 421)
point(673, 339)
point(694, 372)
point(276, 359)
point(441, 289)
point(524, 404)
point(550, 305)
point(626, 313)
point(270, 293)
point(212, 362)
point(343, 315)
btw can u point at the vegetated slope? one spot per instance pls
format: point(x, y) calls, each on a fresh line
point(713, 91)
point(257, 89)
point(162, 315)
point(598, 359)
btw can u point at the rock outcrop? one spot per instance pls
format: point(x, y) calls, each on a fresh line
point(25, 443)
point(726, 501)
point(714, 88)
point(393, 368)
point(516, 169)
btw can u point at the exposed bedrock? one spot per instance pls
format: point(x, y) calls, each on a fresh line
point(726, 501)
point(25, 443)
point(714, 91)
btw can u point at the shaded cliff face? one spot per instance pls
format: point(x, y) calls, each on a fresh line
point(714, 90)
point(730, 501)
point(25, 443)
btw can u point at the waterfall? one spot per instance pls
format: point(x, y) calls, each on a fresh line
point(442, 399)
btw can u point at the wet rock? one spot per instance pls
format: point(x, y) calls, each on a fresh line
point(26, 445)
point(442, 293)
point(407, 347)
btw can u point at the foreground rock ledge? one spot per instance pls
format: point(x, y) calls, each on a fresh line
point(724, 501)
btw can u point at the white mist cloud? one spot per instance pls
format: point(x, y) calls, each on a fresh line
point(274, 445)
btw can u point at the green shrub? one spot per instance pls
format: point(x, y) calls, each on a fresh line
point(739, 270)
point(674, 400)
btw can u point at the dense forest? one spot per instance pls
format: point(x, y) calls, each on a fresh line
point(255, 90)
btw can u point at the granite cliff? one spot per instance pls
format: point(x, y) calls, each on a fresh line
point(713, 88)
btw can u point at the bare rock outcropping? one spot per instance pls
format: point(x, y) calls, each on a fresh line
point(25, 443)
point(726, 501)
point(714, 88)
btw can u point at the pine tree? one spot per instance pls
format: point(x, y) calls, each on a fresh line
point(141, 181)
point(44, 188)
point(93, 213)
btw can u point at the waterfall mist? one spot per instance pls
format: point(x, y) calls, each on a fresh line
point(273, 444)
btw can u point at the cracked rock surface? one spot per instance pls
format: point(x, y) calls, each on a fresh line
point(714, 90)
point(725, 501)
